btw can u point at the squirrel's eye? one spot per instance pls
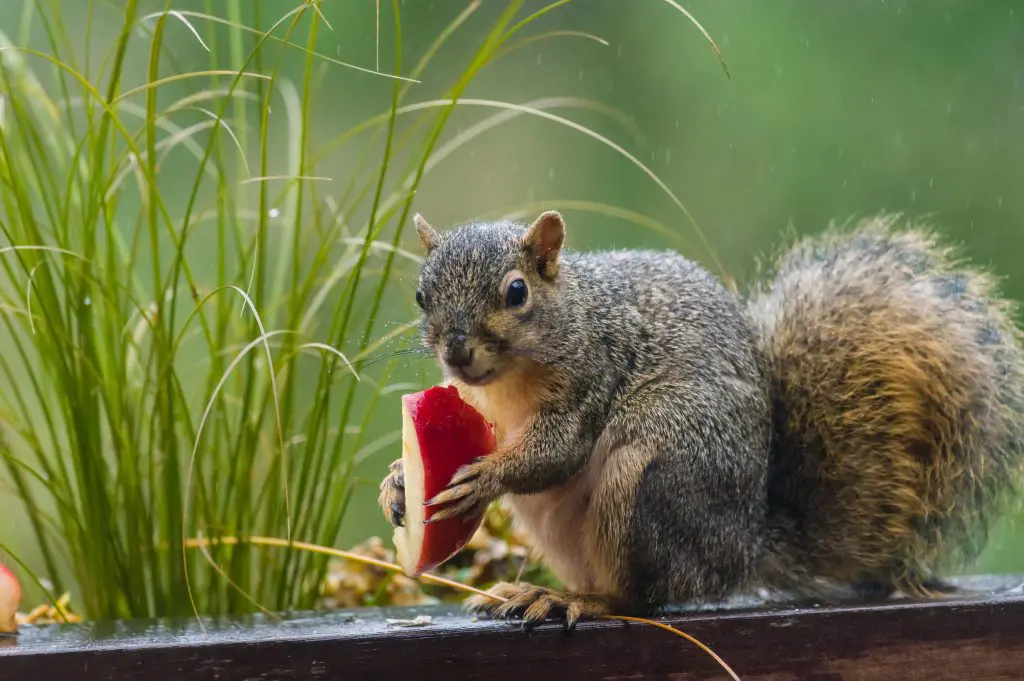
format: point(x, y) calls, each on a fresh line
point(516, 294)
point(419, 298)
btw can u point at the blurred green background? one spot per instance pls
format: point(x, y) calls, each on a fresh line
point(833, 110)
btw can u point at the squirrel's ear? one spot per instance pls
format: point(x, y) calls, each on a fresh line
point(429, 238)
point(544, 241)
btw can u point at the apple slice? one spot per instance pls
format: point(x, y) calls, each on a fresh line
point(440, 434)
point(10, 598)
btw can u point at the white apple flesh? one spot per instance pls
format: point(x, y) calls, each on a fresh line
point(440, 434)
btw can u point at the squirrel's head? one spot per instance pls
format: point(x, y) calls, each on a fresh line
point(488, 295)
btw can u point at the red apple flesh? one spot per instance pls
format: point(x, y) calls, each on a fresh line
point(440, 434)
point(10, 598)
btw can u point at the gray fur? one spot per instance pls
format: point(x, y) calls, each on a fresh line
point(647, 349)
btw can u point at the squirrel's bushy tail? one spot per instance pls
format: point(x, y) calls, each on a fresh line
point(898, 394)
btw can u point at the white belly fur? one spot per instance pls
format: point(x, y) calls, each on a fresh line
point(554, 519)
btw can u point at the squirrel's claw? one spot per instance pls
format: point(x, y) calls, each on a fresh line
point(397, 514)
point(398, 473)
point(469, 507)
point(450, 494)
point(470, 491)
point(535, 604)
point(466, 473)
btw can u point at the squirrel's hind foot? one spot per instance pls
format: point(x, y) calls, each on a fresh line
point(876, 591)
point(535, 604)
point(929, 588)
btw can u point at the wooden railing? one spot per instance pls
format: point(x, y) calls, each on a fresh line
point(973, 637)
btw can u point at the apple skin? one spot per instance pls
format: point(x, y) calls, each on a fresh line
point(440, 433)
point(10, 598)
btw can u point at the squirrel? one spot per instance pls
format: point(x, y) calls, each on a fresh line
point(854, 421)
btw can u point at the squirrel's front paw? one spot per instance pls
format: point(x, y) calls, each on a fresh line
point(534, 604)
point(470, 491)
point(392, 495)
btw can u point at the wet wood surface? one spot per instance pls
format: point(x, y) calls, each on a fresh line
point(978, 636)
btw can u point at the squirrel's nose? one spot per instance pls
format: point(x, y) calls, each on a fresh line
point(457, 353)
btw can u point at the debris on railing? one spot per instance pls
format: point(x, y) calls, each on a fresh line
point(497, 552)
point(56, 613)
